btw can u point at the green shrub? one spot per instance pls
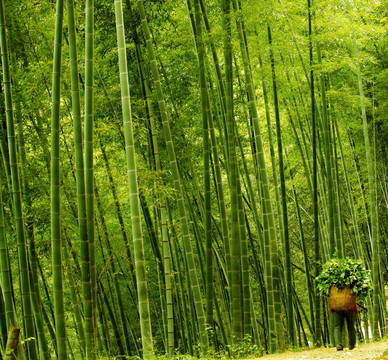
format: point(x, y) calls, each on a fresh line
point(345, 272)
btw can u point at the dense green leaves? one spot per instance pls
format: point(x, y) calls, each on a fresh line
point(345, 272)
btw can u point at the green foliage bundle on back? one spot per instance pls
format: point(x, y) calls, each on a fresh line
point(345, 272)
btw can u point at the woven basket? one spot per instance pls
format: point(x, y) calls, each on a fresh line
point(341, 299)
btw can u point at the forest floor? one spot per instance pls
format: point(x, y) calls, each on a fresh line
point(371, 351)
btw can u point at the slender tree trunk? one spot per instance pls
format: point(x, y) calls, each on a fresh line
point(75, 302)
point(80, 180)
point(206, 165)
point(118, 211)
point(195, 287)
point(372, 200)
point(56, 243)
point(112, 317)
point(6, 281)
point(16, 193)
point(235, 247)
point(271, 267)
point(29, 226)
point(317, 325)
point(89, 297)
point(114, 274)
point(286, 240)
point(137, 233)
point(168, 277)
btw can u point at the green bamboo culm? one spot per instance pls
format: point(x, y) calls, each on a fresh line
point(35, 296)
point(189, 255)
point(90, 258)
point(372, 198)
point(334, 241)
point(167, 261)
point(286, 239)
point(215, 156)
point(372, 193)
point(235, 246)
point(5, 276)
point(317, 325)
point(77, 316)
point(59, 308)
point(16, 193)
point(137, 233)
point(271, 262)
point(109, 247)
point(244, 259)
point(206, 166)
point(80, 179)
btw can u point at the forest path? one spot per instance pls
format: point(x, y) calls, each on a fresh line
point(371, 351)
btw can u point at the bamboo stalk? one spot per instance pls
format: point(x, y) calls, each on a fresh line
point(195, 288)
point(137, 232)
point(16, 192)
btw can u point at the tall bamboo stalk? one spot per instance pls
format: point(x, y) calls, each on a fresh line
point(372, 201)
point(195, 287)
point(219, 79)
point(118, 210)
point(114, 274)
point(75, 302)
point(16, 192)
point(29, 226)
point(317, 325)
point(222, 113)
point(89, 303)
point(167, 263)
point(80, 181)
point(140, 267)
point(327, 145)
point(245, 285)
point(206, 165)
point(234, 268)
point(6, 281)
point(271, 267)
point(56, 243)
point(286, 239)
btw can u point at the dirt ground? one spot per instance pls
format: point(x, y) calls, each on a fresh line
point(372, 351)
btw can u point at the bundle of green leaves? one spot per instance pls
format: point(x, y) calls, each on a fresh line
point(345, 272)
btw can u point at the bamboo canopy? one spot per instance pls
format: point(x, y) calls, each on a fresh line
point(173, 174)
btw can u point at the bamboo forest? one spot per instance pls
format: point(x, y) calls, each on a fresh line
point(174, 174)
